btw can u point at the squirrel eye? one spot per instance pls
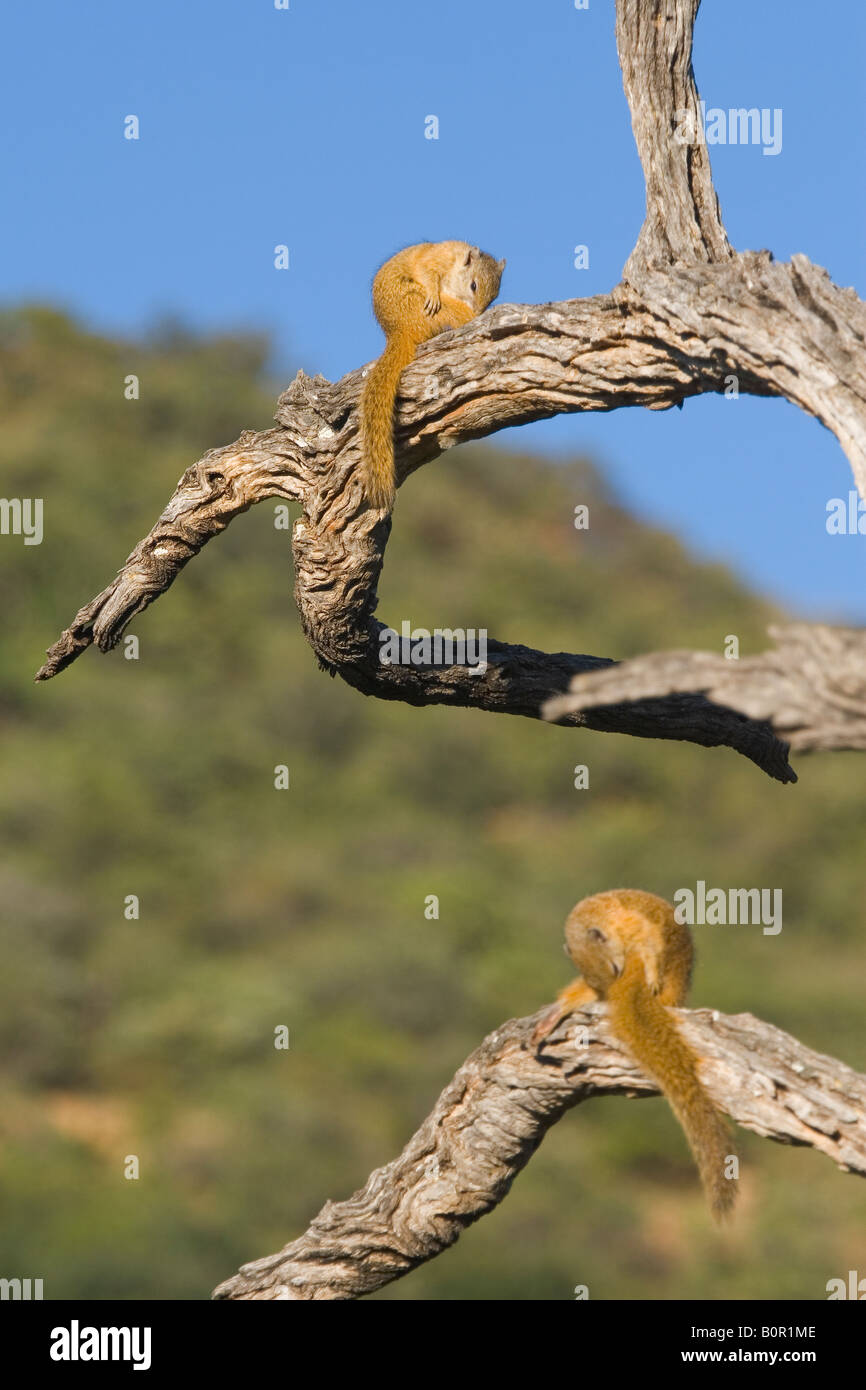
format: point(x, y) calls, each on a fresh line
point(594, 934)
point(474, 286)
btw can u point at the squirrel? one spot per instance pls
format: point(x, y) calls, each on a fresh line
point(418, 293)
point(632, 953)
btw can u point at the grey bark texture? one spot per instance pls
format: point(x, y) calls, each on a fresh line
point(492, 1116)
point(811, 687)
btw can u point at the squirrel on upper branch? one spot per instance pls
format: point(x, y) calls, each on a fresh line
point(633, 954)
point(418, 293)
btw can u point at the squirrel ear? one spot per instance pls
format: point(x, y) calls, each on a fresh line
point(468, 256)
point(501, 265)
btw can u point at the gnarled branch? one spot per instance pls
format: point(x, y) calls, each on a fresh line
point(689, 314)
point(811, 688)
point(492, 1116)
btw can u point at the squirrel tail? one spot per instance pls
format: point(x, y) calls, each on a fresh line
point(377, 418)
point(651, 1034)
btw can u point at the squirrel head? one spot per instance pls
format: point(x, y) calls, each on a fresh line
point(597, 954)
point(475, 279)
point(605, 930)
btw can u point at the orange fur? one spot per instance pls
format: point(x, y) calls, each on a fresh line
point(417, 294)
point(633, 954)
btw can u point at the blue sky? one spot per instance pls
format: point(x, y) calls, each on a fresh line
point(306, 127)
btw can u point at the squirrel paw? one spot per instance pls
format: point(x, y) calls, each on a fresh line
point(432, 304)
point(547, 1023)
point(574, 996)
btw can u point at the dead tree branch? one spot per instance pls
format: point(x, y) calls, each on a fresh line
point(811, 688)
point(492, 1116)
point(689, 314)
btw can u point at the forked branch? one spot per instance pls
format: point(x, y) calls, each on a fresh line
point(689, 314)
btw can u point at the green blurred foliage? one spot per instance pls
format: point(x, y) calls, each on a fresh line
point(306, 908)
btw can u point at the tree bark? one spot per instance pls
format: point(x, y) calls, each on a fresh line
point(491, 1118)
point(811, 688)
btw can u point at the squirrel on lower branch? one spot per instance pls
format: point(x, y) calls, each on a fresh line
point(633, 954)
point(418, 293)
